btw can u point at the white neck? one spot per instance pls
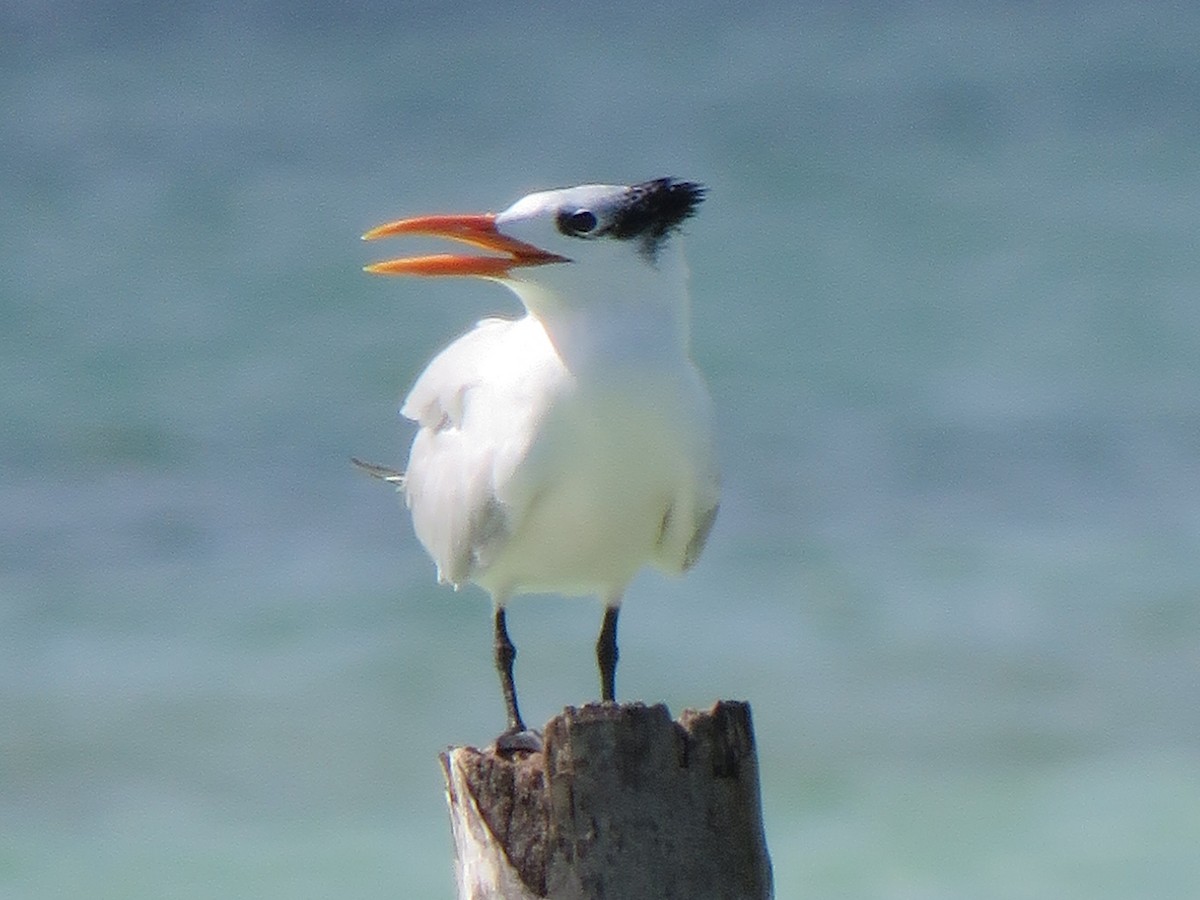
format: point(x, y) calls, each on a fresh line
point(614, 309)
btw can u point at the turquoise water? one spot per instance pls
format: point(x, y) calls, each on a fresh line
point(945, 292)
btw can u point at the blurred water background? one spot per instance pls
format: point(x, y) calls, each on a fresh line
point(945, 292)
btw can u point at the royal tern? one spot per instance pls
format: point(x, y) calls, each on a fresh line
point(564, 450)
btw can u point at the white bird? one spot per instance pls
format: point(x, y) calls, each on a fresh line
point(564, 450)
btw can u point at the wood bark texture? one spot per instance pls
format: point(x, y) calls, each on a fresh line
point(622, 803)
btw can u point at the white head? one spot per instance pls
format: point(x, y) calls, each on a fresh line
point(640, 218)
point(596, 250)
point(618, 244)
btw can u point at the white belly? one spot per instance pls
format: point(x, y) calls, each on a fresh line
point(590, 504)
point(526, 476)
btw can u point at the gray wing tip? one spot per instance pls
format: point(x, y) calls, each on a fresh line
point(383, 473)
point(695, 546)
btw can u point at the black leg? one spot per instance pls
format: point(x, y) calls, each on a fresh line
point(606, 654)
point(505, 654)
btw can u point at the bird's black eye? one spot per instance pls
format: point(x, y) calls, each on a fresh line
point(574, 224)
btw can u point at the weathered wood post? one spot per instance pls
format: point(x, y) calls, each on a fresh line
point(622, 803)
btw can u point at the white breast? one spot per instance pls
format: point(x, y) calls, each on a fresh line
point(525, 477)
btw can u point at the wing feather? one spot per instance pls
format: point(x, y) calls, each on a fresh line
point(476, 404)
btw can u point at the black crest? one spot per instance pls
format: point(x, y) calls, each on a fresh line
point(653, 210)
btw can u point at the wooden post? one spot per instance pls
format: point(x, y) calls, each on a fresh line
point(622, 803)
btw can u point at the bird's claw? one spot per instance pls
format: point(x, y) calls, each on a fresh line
point(525, 740)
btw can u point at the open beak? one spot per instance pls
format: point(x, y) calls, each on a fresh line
point(475, 230)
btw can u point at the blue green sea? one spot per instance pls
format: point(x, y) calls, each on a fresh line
point(946, 291)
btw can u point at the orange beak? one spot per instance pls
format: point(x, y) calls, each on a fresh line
point(475, 230)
